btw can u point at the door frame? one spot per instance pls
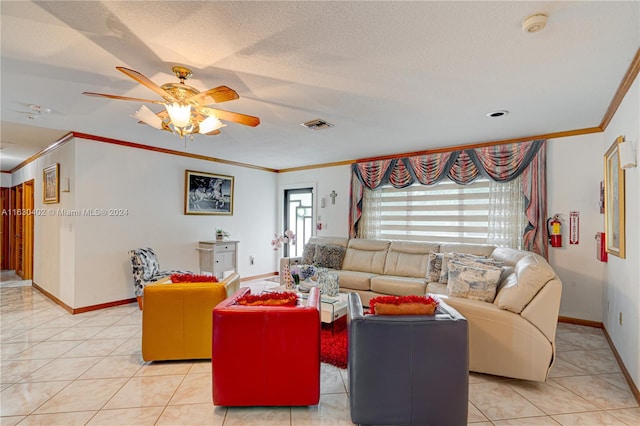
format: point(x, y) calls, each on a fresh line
point(5, 262)
point(27, 230)
point(26, 204)
point(280, 210)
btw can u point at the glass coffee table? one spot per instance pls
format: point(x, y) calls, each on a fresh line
point(331, 308)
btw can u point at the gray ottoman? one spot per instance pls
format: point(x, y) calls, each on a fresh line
point(407, 370)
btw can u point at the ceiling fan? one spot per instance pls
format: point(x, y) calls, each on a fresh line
point(186, 108)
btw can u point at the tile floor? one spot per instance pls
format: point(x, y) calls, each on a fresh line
point(62, 369)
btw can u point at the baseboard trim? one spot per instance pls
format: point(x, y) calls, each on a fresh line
point(579, 321)
point(74, 311)
point(52, 297)
point(257, 277)
point(105, 305)
point(625, 372)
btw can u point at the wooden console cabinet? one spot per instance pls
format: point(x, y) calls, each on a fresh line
point(218, 256)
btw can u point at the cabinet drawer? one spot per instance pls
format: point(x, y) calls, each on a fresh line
point(220, 248)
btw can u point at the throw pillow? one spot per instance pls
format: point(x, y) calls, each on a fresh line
point(328, 283)
point(403, 305)
point(193, 278)
point(464, 257)
point(434, 266)
point(329, 256)
point(308, 253)
point(478, 262)
point(444, 269)
point(269, 299)
point(472, 282)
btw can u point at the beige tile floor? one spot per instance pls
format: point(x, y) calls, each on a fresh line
point(62, 369)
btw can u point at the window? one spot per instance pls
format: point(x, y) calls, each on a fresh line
point(482, 212)
point(298, 217)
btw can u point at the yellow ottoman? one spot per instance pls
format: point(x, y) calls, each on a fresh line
point(176, 319)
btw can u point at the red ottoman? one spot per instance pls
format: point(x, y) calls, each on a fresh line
point(266, 355)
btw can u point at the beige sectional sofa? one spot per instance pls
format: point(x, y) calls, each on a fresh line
point(513, 336)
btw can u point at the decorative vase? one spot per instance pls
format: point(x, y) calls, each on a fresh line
point(219, 236)
point(287, 278)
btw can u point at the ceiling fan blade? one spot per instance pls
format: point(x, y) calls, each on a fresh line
point(215, 132)
point(122, 98)
point(147, 83)
point(215, 95)
point(236, 117)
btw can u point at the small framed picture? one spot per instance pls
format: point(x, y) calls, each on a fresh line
point(207, 193)
point(51, 184)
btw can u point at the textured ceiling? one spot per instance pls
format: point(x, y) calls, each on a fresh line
point(392, 77)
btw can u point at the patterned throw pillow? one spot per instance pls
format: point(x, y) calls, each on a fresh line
point(467, 259)
point(328, 283)
point(444, 269)
point(329, 256)
point(308, 253)
point(473, 282)
point(434, 266)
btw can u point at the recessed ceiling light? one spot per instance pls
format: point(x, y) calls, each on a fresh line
point(534, 23)
point(499, 113)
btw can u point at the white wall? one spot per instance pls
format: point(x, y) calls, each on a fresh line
point(622, 282)
point(5, 180)
point(94, 266)
point(53, 232)
point(574, 172)
point(334, 217)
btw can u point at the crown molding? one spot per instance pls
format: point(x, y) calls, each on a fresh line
point(623, 88)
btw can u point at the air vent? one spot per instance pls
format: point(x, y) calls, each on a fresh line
point(317, 124)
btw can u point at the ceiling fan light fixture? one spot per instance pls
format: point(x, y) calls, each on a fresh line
point(180, 114)
point(147, 116)
point(186, 108)
point(209, 124)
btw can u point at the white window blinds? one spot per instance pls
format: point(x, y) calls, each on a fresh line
point(443, 212)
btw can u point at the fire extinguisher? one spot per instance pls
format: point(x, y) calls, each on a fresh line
point(554, 227)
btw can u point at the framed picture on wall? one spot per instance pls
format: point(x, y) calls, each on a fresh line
point(51, 184)
point(614, 201)
point(207, 193)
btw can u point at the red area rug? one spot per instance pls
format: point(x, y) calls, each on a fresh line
point(333, 343)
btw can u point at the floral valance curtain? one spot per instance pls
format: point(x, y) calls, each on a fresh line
point(500, 163)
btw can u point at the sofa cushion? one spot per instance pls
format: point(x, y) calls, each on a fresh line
point(329, 256)
point(532, 272)
point(355, 280)
point(478, 249)
point(473, 280)
point(308, 253)
point(337, 241)
point(509, 256)
point(408, 259)
point(399, 286)
point(365, 255)
point(436, 288)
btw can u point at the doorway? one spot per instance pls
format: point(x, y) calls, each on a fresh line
point(20, 235)
point(298, 217)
